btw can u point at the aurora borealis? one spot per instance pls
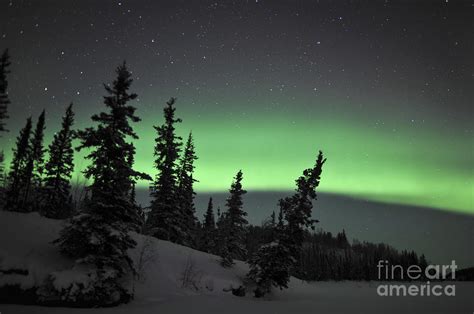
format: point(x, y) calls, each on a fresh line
point(382, 89)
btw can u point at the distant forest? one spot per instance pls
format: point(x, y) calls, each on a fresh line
point(325, 256)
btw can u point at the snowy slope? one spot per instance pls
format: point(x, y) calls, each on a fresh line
point(25, 242)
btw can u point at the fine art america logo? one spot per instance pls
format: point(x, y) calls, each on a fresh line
point(415, 272)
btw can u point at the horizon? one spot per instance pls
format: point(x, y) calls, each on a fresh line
point(424, 229)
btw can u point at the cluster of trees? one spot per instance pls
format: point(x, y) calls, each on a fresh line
point(172, 212)
point(97, 234)
point(33, 183)
point(272, 250)
point(226, 235)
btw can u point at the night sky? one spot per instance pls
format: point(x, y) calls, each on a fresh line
point(384, 88)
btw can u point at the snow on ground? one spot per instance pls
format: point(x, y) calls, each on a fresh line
point(25, 242)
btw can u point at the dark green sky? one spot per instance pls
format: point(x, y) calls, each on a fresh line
point(384, 89)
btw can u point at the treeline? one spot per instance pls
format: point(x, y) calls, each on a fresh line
point(97, 233)
point(325, 256)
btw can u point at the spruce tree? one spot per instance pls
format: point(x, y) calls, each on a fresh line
point(4, 100)
point(99, 236)
point(132, 194)
point(18, 178)
point(270, 265)
point(297, 209)
point(233, 224)
point(186, 192)
point(2, 172)
point(56, 193)
point(208, 243)
point(165, 218)
point(274, 261)
point(34, 168)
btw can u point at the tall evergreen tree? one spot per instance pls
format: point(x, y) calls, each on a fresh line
point(58, 171)
point(234, 224)
point(208, 241)
point(4, 100)
point(165, 219)
point(186, 192)
point(34, 168)
point(297, 209)
point(2, 175)
point(99, 236)
point(220, 233)
point(133, 194)
point(18, 178)
point(274, 261)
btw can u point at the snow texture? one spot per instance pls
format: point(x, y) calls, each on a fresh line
point(25, 244)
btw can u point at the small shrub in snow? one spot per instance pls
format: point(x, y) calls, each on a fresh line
point(191, 277)
point(146, 256)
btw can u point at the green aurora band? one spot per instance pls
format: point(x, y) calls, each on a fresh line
point(395, 162)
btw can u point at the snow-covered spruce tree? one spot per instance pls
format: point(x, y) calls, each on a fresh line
point(219, 232)
point(4, 100)
point(271, 263)
point(17, 177)
point(56, 193)
point(98, 238)
point(186, 192)
point(233, 225)
point(208, 233)
point(274, 262)
point(132, 194)
point(34, 167)
point(165, 220)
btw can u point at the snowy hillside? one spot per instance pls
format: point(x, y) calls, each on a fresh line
point(165, 268)
point(177, 279)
